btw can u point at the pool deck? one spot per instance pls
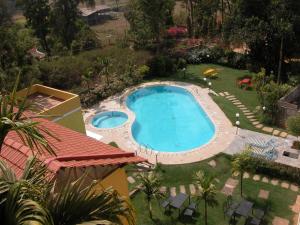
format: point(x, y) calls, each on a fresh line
point(224, 135)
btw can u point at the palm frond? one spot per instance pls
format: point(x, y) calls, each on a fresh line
point(23, 211)
point(13, 118)
point(88, 205)
point(31, 134)
point(7, 174)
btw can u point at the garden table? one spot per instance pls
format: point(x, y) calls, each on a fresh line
point(244, 208)
point(179, 200)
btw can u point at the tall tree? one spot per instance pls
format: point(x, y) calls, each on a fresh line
point(270, 34)
point(207, 190)
point(37, 15)
point(150, 187)
point(65, 19)
point(149, 15)
point(5, 13)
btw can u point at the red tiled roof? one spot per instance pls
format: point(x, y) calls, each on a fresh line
point(72, 150)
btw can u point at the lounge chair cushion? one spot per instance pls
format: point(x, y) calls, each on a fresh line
point(188, 212)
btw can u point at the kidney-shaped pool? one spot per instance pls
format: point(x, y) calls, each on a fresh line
point(169, 119)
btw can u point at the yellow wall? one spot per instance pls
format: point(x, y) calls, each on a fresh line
point(67, 113)
point(73, 121)
point(117, 180)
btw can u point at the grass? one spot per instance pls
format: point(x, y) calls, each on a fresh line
point(279, 200)
point(226, 81)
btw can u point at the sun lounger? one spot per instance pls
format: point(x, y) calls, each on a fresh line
point(167, 202)
point(188, 212)
point(261, 143)
point(268, 153)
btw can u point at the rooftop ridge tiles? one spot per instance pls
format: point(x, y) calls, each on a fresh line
point(17, 146)
point(90, 157)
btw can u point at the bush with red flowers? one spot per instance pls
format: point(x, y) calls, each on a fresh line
point(176, 32)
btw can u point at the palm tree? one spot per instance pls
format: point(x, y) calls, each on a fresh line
point(240, 164)
point(150, 187)
point(104, 64)
point(30, 200)
point(13, 118)
point(87, 78)
point(207, 190)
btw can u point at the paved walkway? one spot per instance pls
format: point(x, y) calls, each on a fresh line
point(251, 115)
point(240, 141)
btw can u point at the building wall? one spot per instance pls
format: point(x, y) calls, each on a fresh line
point(117, 180)
point(73, 121)
point(67, 113)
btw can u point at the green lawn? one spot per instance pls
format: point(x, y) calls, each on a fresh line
point(226, 81)
point(279, 200)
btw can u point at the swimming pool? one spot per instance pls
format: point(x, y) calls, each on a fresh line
point(110, 119)
point(169, 119)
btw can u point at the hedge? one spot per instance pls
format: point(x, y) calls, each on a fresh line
point(275, 170)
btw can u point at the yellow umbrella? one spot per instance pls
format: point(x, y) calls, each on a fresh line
point(209, 71)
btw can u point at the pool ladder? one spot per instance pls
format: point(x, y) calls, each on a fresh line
point(147, 149)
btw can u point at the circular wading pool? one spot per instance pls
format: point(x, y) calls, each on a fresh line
point(110, 119)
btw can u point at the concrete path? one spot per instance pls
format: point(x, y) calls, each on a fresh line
point(240, 142)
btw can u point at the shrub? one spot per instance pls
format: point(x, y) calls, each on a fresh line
point(161, 66)
point(269, 95)
point(167, 43)
point(266, 119)
point(296, 145)
point(64, 72)
point(176, 32)
point(236, 60)
point(114, 144)
point(181, 63)
point(293, 125)
point(275, 170)
point(217, 55)
point(202, 55)
point(143, 70)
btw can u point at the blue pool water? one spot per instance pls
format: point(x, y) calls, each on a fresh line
point(169, 119)
point(109, 119)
